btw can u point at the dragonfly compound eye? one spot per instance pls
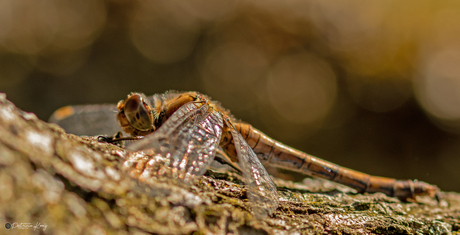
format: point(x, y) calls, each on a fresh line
point(138, 113)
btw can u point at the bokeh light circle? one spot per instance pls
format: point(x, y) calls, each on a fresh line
point(165, 36)
point(438, 87)
point(301, 88)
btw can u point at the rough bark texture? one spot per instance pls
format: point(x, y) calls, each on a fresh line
point(76, 185)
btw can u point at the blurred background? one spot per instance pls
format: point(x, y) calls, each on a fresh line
point(373, 86)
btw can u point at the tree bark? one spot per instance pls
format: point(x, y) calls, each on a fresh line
point(64, 184)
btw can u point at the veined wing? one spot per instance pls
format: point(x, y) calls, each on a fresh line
point(262, 192)
point(87, 119)
point(188, 140)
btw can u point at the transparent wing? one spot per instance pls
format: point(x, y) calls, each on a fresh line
point(188, 141)
point(262, 192)
point(87, 119)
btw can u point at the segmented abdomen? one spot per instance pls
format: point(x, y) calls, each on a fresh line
point(279, 155)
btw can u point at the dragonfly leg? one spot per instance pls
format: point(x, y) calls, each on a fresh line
point(109, 139)
point(117, 138)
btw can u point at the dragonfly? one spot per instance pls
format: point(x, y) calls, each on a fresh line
point(188, 130)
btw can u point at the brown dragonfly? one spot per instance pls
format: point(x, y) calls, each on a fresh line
point(187, 130)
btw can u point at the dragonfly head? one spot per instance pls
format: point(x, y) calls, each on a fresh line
point(135, 112)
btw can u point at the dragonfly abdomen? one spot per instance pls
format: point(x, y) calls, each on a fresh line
point(279, 155)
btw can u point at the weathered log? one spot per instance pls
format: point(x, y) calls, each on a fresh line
point(65, 184)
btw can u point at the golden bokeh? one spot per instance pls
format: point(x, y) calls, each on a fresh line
point(301, 88)
point(370, 85)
